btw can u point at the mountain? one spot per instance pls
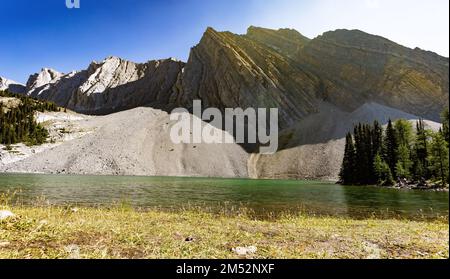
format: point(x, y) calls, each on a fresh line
point(11, 86)
point(284, 69)
point(321, 86)
point(262, 68)
point(355, 67)
point(226, 70)
point(109, 86)
point(39, 82)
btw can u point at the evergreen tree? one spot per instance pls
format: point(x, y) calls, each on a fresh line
point(347, 174)
point(404, 135)
point(377, 138)
point(363, 159)
point(445, 125)
point(438, 158)
point(371, 158)
point(382, 172)
point(17, 124)
point(404, 163)
point(403, 132)
point(391, 146)
point(420, 164)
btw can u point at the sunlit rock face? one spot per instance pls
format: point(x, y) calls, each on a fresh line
point(109, 86)
point(37, 82)
point(228, 70)
point(116, 84)
point(355, 67)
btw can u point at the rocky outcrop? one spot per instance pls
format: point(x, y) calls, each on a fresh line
point(116, 84)
point(226, 70)
point(355, 67)
point(39, 82)
point(109, 86)
point(11, 86)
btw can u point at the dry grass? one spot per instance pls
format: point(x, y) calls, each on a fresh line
point(121, 232)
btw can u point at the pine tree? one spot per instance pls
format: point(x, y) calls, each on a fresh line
point(362, 154)
point(347, 174)
point(445, 125)
point(377, 138)
point(17, 124)
point(439, 158)
point(420, 165)
point(403, 132)
point(404, 163)
point(382, 172)
point(391, 146)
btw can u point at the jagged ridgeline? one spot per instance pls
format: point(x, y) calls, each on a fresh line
point(17, 119)
point(263, 68)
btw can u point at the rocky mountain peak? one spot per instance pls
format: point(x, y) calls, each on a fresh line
point(112, 58)
point(112, 85)
point(286, 33)
point(44, 77)
point(227, 70)
point(211, 34)
point(285, 41)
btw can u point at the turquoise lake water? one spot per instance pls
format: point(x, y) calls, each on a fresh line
point(262, 197)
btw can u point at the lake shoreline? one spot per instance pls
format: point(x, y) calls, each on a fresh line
point(262, 197)
point(433, 189)
point(122, 232)
point(330, 181)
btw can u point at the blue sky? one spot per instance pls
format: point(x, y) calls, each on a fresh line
point(44, 33)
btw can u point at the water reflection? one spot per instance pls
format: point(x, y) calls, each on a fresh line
point(260, 196)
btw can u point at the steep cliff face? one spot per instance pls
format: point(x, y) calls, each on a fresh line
point(109, 86)
point(355, 67)
point(227, 70)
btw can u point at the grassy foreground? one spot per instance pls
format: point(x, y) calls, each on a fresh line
point(58, 232)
